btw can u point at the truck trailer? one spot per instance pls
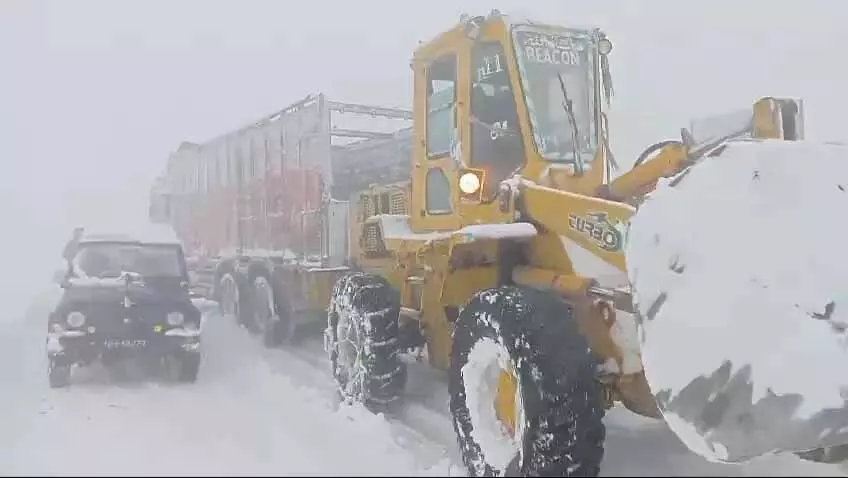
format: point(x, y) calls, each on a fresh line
point(269, 202)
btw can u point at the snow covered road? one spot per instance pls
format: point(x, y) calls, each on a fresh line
point(265, 412)
point(240, 418)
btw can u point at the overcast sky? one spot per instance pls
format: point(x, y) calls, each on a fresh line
point(95, 94)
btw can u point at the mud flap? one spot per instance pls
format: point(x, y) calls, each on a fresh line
point(740, 277)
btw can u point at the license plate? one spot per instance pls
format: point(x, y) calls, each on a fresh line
point(125, 343)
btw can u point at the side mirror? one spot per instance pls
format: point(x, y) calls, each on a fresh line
point(59, 276)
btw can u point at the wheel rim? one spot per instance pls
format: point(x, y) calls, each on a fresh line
point(229, 296)
point(505, 400)
point(494, 402)
point(263, 302)
point(348, 356)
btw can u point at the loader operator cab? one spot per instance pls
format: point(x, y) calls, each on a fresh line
point(502, 99)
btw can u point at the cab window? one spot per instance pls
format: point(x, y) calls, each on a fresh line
point(441, 97)
point(496, 142)
point(438, 192)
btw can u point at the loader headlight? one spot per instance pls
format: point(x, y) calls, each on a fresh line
point(469, 183)
point(175, 319)
point(76, 319)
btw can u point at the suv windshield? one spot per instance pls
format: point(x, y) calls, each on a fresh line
point(553, 65)
point(104, 260)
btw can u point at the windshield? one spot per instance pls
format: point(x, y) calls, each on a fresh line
point(104, 260)
point(555, 67)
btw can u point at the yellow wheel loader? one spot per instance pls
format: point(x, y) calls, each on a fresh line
point(705, 287)
point(550, 290)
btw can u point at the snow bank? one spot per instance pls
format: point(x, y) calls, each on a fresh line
point(741, 278)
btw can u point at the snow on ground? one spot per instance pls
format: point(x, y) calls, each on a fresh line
point(752, 369)
point(240, 418)
point(267, 412)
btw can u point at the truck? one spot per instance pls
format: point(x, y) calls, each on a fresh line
point(487, 226)
point(264, 210)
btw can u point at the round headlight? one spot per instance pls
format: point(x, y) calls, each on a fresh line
point(175, 319)
point(469, 183)
point(76, 319)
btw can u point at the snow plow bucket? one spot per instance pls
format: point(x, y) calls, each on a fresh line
point(739, 273)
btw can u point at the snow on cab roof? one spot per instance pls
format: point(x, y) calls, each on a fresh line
point(145, 234)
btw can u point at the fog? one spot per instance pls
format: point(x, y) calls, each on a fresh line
point(95, 94)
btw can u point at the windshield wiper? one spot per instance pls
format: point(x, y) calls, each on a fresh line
point(575, 133)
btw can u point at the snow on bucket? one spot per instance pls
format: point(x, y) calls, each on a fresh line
point(739, 268)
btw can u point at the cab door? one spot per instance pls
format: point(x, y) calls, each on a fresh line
point(439, 88)
point(495, 139)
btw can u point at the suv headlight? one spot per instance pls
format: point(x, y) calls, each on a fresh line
point(75, 319)
point(175, 319)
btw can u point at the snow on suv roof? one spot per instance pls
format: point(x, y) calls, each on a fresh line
point(146, 234)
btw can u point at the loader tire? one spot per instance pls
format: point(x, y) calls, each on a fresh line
point(558, 412)
point(361, 340)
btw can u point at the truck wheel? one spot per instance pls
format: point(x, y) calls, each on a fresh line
point(229, 297)
point(362, 340)
point(271, 316)
point(524, 396)
point(188, 367)
point(59, 375)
